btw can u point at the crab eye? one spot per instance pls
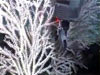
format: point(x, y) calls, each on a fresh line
point(57, 20)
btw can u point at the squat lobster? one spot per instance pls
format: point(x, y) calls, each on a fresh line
point(66, 10)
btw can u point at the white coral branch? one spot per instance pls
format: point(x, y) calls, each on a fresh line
point(27, 41)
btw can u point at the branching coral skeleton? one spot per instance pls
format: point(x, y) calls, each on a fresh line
point(30, 43)
point(26, 25)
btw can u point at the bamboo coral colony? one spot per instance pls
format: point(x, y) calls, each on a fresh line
point(26, 25)
point(24, 34)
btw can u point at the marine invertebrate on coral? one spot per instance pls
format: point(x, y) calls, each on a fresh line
point(29, 35)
